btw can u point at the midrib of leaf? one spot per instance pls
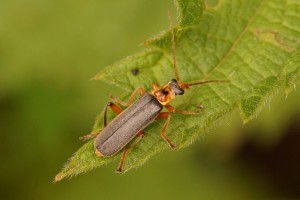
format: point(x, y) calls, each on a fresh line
point(206, 77)
point(257, 58)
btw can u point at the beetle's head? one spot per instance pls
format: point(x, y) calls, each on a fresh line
point(176, 87)
point(168, 92)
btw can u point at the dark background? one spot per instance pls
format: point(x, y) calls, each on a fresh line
point(48, 52)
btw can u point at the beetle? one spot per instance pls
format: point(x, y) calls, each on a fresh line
point(130, 123)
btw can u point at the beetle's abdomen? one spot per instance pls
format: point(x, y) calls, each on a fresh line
point(122, 129)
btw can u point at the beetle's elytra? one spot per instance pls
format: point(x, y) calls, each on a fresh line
point(129, 124)
point(122, 129)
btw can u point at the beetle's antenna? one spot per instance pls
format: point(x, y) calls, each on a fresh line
point(173, 48)
point(204, 82)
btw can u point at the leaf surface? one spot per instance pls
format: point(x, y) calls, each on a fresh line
point(254, 44)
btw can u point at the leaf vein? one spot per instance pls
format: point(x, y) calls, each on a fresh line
point(227, 54)
point(219, 96)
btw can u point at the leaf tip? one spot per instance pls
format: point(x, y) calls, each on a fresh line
point(59, 177)
point(93, 78)
point(98, 77)
point(246, 120)
point(147, 42)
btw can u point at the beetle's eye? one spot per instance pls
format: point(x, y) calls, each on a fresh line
point(164, 92)
point(179, 91)
point(175, 87)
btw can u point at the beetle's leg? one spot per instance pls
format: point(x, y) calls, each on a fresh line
point(88, 136)
point(123, 157)
point(163, 115)
point(131, 98)
point(114, 108)
point(185, 112)
point(167, 115)
point(155, 86)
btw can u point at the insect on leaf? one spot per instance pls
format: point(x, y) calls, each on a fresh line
point(254, 44)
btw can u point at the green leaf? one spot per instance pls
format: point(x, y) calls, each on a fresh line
point(290, 73)
point(189, 12)
point(251, 43)
point(255, 99)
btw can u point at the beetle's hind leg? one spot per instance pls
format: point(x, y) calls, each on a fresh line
point(125, 151)
point(89, 136)
point(114, 108)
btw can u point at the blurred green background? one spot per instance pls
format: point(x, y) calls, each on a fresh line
point(48, 52)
